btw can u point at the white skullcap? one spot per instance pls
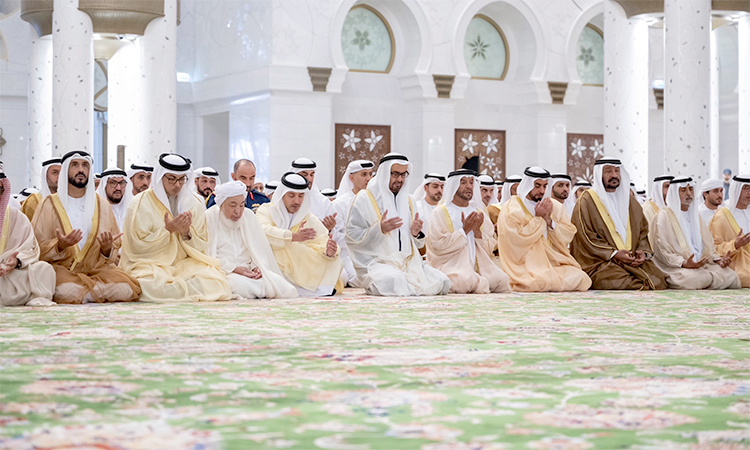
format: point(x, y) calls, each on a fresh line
point(711, 184)
point(228, 190)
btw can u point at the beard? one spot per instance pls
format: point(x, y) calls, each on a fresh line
point(206, 192)
point(79, 185)
point(114, 200)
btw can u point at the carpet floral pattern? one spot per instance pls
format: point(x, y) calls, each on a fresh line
point(668, 370)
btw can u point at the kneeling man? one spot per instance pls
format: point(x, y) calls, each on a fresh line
point(461, 238)
point(731, 228)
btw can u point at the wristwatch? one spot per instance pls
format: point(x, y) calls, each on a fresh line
point(19, 264)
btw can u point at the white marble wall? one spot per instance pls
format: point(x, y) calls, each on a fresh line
point(40, 105)
point(743, 93)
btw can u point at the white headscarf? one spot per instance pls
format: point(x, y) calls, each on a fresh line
point(89, 202)
point(346, 187)
point(569, 202)
point(488, 181)
point(119, 209)
point(138, 168)
point(209, 172)
point(618, 202)
point(290, 182)
point(691, 226)
point(396, 205)
point(172, 163)
point(509, 182)
point(329, 193)
point(452, 184)
point(46, 165)
point(419, 193)
point(530, 175)
point(741, 215)
point(228, 190)
point(657, 194)
point(711, 184)
point(577, 186)
point(320, 206)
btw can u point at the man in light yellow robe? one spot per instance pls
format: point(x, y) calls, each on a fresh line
point(533, 237)
point(306, 254)
point(658, 197)
point(24, 280)
point(460, 239)
point(50, 175)
point(508, 190)
point(166, 240)
point(731, 228)
point(683, 245)
point(78, 235)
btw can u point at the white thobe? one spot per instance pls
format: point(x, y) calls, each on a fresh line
point(706, 213)
point(455, 212)
point(341, 207)
point(425, 211)
point(78, 221)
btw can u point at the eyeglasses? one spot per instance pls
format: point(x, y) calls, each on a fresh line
point(175, 180)
point(113, 183)
point(397, 175)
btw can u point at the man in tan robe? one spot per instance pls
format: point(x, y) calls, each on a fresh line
point(731, 228)
point(611, 243)
point(78, 235)
point(306, 254)
point(684, 247)
point(166, 240)
point(534, 232)
point(50, 176)
point(658, 197)
point(510, 188)
point(460, 239)
point(24, 280)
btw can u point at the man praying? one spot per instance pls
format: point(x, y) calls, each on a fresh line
point(140, 177)
point(487, 189)
point(427, 196)
point(558, 189)
point(510, 188)
point(658, 197)
point(50, 175)
point(206, 180)
point(115, 188)
point(730, 228)
point(711, 198)
point(244, 170)
point(460, 240)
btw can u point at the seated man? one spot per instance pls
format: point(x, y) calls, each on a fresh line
point(237, 240)
point(558, 189)
point(115, 188)
point(166, 240)
point(579, 188)
point(683, 245)
point(510, 186)
point(24, 280)
point(50, 175)
point(79, 236)
point(244, 170)
point(427, 196)
point(487, 188)
point(270, 188)
point(307, 256)
point(533, 237)
point(611, 243)
point(320, 205)
point(460, 240)
point(140, 177)
point(711, 198)
point(658, 197)
point(384, 236)
point(731, 228)
point(206, 180)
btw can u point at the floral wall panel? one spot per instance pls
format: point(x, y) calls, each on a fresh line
point(583, 151)
point(487, 145)
point(370, 142)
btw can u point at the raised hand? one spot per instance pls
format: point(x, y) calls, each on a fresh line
point(543, 209)
point(473, 223)
point(106, 240)
point(66, 240)
point(691, 264)
point(331, 247)
point(416, 225)
point(9, 265)
point(304, 234)
point(330, 221)
point(180, 224)
point(742, 240)
point(387, 225)
point(725, 261)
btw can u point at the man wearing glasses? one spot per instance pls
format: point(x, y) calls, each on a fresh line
point(165, 243)
point(116, 189)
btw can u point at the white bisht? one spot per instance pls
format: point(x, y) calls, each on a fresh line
point(389, 264)
point(121, 208)
point(243, 243)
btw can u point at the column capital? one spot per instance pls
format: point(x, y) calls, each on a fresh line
point(118, 17)
point(39, 14)
point(638, 7)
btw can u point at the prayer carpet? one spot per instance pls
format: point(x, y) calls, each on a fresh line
point(665, 370)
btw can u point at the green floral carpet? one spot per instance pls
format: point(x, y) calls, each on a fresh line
point(605, 370)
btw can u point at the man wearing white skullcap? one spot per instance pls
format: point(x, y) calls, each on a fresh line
point(461, 238)
point(731, 228)
point(165, 244)
point(427, 196)
point(24, 280)
point(116, 189)
point(320, 206)
point(658, 197)
point(306, 254)
point(611, 243)
point(558, 189)
point(384, 236)
point(78, 234)
point(355, 179)
point(711, 198)
point(50, 176)
point(237, 240)
point(140, 177)
point(534, 232)
point(206, 180)
point(684, 247)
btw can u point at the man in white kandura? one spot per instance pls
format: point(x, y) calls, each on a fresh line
point(237, 240)
point(427, 196)
point(658, 197)
point(355, 179)
point(683, 245)
point(206, 180)
point(306, 254)
point(710, 199)
point(487, 188)
point(140, 177)
point(116, 189)
point(461, 238)
point(384, 235)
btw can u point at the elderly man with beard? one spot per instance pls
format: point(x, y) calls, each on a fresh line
point(611, 243)
point(306, 254)
point(79, 236)
point(384, 235)
point(115, 187)
point(427, 196)
point(534, 232)
point(166, 240)
point(460, 240)
point(140, 177)
point(237, 240)
point(731, 228)
point(50, 176)
point(683, 245)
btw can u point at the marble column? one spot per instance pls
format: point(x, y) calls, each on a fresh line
point(743, 89)
point(158, 119)
point(429, 141)
point(626, 91)
point(123, 109)
point(687, 91)
point(40, 105)
point(714, 169)
point(73, 74)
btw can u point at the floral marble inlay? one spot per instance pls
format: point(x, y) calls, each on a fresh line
point(366, 41)
point(583, 151)
point(590, 59)
point(485, 49)
point(353, 142)
point(487, 145)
